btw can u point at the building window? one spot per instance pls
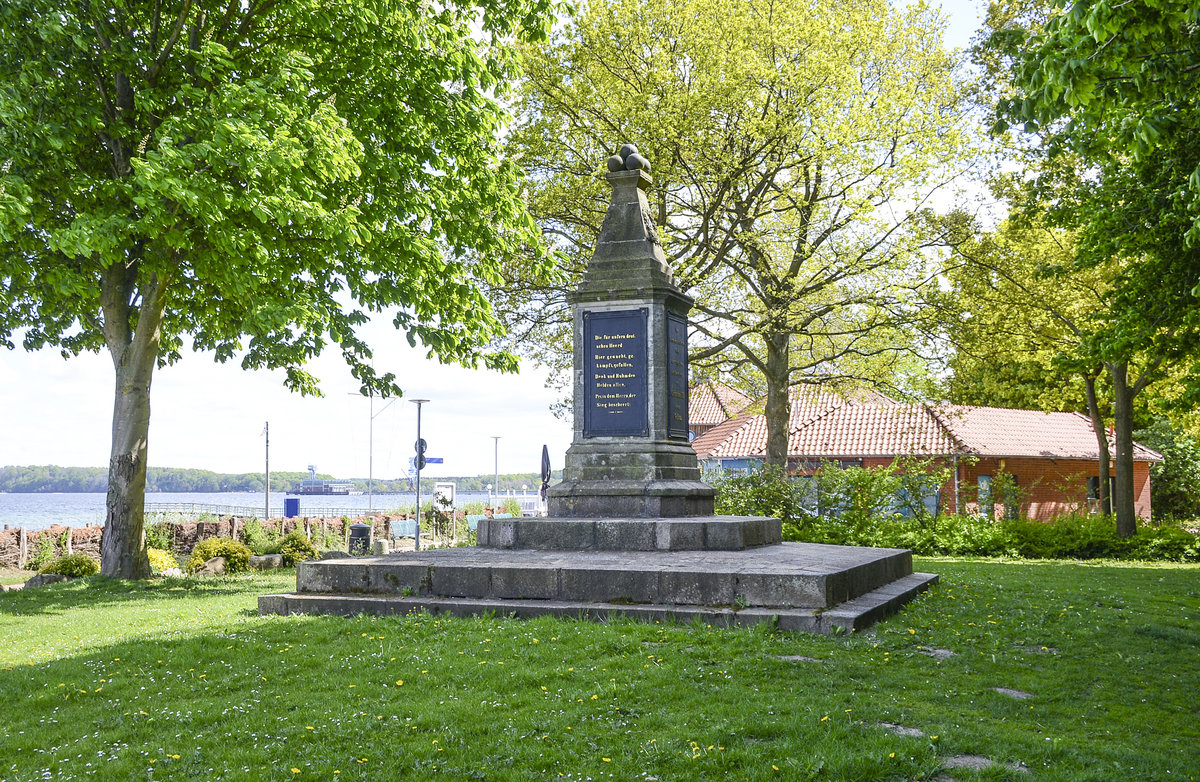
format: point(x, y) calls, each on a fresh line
point(987, 505)
point(1093, 490)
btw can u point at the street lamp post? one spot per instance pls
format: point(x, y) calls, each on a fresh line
point(418, 462)
point(496, 437)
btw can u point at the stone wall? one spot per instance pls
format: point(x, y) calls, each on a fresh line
point(185, 534)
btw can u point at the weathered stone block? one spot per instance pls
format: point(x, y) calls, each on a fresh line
point(398, 578)
point(626, 535)
point(609, 585)
point(535, 583)
point(561, 534)
point(782, 589)
point(266, 561)
point(696, 588)
point(466, 581)
point(678, 536)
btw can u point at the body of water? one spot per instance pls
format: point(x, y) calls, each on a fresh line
point(38, 511)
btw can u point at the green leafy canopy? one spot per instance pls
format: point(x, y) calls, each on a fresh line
point(267, 174)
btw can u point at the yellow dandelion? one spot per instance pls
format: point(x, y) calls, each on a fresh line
point(399, 682)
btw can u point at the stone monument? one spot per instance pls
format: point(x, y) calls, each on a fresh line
point(631, 529)
point(630, 455)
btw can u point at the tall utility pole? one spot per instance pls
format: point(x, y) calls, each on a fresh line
point(496, 464)
point(267, 434)
point(418, 462)
point(371, 451)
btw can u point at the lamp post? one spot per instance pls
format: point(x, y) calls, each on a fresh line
point(418, 462)
point(267, 503)
point(371, 416)
point(496, 437)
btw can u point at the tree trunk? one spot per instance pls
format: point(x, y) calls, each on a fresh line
point(1106, 506)
point(123, 547)
point(1123, 424)
point(134, 355)
point(779, 408)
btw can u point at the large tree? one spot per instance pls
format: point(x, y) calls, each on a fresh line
point(1021, 319)
point(793, 147)
point(1107, 92)
point(255, 179)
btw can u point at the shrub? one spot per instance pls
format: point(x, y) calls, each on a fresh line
point(259, 539)
point(296, 547)
point(237, 555)
point(42, 554)
point(161, 560)
point(326, 540)
point(160, 535)
point(765, 492)
point(73, 565)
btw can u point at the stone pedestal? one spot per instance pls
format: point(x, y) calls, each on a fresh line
point(630, 455)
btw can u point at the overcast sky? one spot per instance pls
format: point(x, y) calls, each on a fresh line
point(210, 416)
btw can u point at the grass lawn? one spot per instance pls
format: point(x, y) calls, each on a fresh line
point(180, 679)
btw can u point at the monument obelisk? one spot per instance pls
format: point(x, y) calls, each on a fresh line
point(630, 455)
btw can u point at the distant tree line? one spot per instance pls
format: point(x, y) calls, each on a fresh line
point(51, 478)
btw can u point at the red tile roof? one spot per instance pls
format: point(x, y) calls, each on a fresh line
point(712, 403)
point(826, 426)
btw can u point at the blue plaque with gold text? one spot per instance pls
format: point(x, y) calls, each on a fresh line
point(677, 376)
point(614, 374)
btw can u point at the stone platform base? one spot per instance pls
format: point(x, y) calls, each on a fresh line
point(684, 533)
point(804, 587)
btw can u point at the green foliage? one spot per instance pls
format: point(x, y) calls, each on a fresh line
point(1175, 481)
point(766, 140)
point(161, 559)
point(259, 539)
point(255, 181)
point(765, 492)
point(43, 552)
point(160, 535)
point(237, 556)
point(326, 540)
point(296, 547)
point(76, 565)
point(511, 505)
point(1067, 537)
point(862, 507)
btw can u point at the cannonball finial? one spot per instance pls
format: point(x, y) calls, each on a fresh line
point(628, 159)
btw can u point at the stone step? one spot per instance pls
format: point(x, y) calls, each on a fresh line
point(699, 533)
point(786, 575)
point(855, 614)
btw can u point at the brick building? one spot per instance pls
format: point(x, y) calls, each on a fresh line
point(1052, 458)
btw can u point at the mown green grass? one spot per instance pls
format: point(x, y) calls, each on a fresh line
point(181, 679)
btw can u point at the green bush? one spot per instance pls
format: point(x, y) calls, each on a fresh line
point(73, 565)
point(160, 535)
point(296, 547)
point(42, 554)
point(259, 539)
point(859, 511)
point(237, 555)
point(765, 492)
